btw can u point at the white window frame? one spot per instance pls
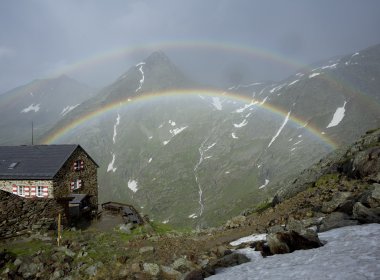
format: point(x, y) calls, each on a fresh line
point(40, 191)
point(76, 184)
point(21, 190)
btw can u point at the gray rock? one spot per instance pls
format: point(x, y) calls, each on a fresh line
point(235, 222)
point(57, 274)
point(194, 275)
point(91, 270)
point(366, 163)
point(338, 200)
point(336, 220)
point(182, 265)
point(151, 268)
point(295, 225)
point(312, 222)
point(229, 260)
point(17, 262)
point(170, 273)
point(276, 228)
point(67, 251)
point(374, 197)
point(28, 269)
point(148, 249)
point(366, 215)
point(287, 242)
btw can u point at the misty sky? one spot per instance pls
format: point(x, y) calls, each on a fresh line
point(224, 42)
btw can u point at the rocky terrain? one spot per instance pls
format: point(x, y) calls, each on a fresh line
point(343, 189)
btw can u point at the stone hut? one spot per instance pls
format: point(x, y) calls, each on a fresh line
point(49, 172)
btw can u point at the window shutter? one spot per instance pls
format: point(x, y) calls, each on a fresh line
point(46, 191)
point(81, 165)
point(14, 189)
point(72, 185)
point(27, 191)
point(79, 184)
point(75, 165)
point(33, 191)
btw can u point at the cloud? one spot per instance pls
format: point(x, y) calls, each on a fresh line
point(5, 52)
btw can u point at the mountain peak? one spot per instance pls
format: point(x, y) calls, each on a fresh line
point(157, 57)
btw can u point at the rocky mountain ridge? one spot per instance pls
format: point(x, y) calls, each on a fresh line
point(42, 102)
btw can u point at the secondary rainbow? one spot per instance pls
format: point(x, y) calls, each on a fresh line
point(57, 135)
point(249, 51)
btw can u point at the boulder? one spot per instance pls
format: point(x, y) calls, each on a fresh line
point(194, 275)
point(276, 228)
point(135, 267)
point(287, 242)
point(336, 220)
point(366, 163)
point(229, 260)
point(235, 222)
point(147, 249)
point(295, 225)
point(91, 270)
point(151, 268)
point(170, 273)
point(371, 198)
point(338, 200)
point(366, 215)
point(182, 265)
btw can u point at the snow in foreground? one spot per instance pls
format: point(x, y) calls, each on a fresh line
point(351, 253)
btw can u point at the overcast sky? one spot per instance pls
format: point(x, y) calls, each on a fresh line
point(215, 41)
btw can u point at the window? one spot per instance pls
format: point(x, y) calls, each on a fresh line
point(20, 191)
point(40, 191)
point(75, 185)
point(78, 165)
point(13, 165)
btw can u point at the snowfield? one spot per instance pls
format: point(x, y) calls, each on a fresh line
point(350, 253)
point(338, 116)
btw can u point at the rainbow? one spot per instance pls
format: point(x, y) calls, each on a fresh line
point(249, 51)
point(122, 52)
point(58, 134)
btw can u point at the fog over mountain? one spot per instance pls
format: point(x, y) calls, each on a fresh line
point(217, 42)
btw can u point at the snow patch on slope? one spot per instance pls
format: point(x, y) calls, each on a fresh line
point(264, 100)
point(110, 165)
point(176, 131)
point(115, 128)
point(31, 107)
point(217, 103)
point(140, 66)
point(243, 123)
point(280, 129)
point(250, 238)
point(132, 185)
point(246, 106)
point(338, 116)
point(292, 83)
point(314, 75)
point(264, 185)
point(67, 109)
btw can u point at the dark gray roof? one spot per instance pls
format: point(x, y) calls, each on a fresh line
point(33, 162)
